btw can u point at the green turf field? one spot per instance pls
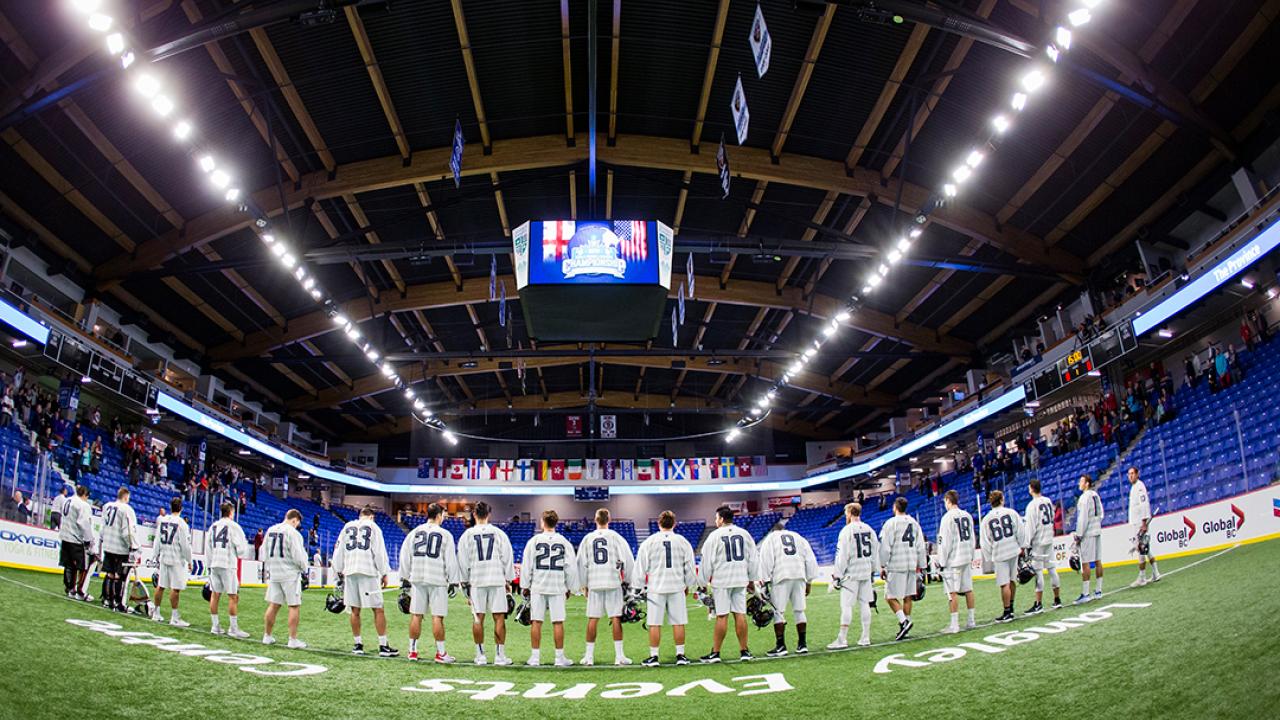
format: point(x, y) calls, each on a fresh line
point(1203, 647)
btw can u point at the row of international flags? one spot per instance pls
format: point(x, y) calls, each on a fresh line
point(594, 469)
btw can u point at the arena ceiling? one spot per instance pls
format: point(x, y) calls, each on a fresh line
point(342, 126)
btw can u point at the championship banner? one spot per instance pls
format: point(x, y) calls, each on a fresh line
point(460, 142)
point(761, 42)
point(520, 250)
point(608, 427)
point(722, 167)
point(573, 426)
point(741, 117)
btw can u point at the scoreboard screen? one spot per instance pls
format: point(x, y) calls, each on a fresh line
point(591, 493)
point(1077, 363)
point(593, 252)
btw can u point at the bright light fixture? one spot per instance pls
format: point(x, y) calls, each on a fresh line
point(1165, 333)
point(809, 353)
point(1052, 52)
point(962, 173)
point(86, 6)
point(126, 60)
point(162, 105)
point(1033, 80)
point(388, 370)
point(904, 244)
point(1079, 17)
point(147, 85)
point(426, 412)
point(453, 440)
point(371, 354)
point(278, 249)
point(915, 232)
point(873, 280)
point(895, 255)
point(949, 190)
point(182, 130)
point(288, 260)
point(340, 320)
point(1019, 101)
point(206, 163)
point(309, 283)
point(220, 179)
point(733, 435)
point(100, 22)
point(418, 404)
point(974, 158)
point(315, 293)
point(1000, 123)
point(1247, 283)
point(843, 316)
point(233, 194)
point(300, 273)
point(866, 289)
point(883, 269)
point(829, 330)
point(115, 43)
point(1062, 36)
point(268, 238)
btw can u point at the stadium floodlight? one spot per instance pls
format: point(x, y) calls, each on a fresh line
point(949, 190)
point(308, 283)
point(866, 289)
point(268, 238)
point(883, 269)
point(100, 22)
point(873, 280)
point(426, 412)
point(387, 370)
point(86, 7)
point(162, 105)
point(796, 367)
point(372, 355)
point(1079, 17)
point(233, 194)
point(288, 260)
point(1033, 80)
point(1062, 36)
point(962, 173)
point(904, 244)
point(353, 333)
point(278, 249)
point(1165, 333)
point(831, 329)
point(842, 317)
point(340, 320)
point(1091, 4)
point(895, 255)
point(409, 393)
point(220, 179)
point(733, 435)
point(182, 130)
point(316, 294)
point(206, 163)
point(147, 85)
point(915, 232)
point(809, 352)
point(453, 440)
point(418, 404)
point(115, 43)
point(1000, 123)
point(126, 60)
point(974, 158)
point(1019, 101)
point(1052, 52)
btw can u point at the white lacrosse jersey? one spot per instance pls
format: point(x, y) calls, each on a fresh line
point(550, 566)
point(226, 544)
point(173, 541)
point(77, 521)
point(428, 557)
point(1039, 520)
point(360, 550)
point(1003, 534)
point(284, 552)
point(902, 544)
point(955, 539)
point(729, 558)
point(1089, 514)
point(1139, 503)
point(857, 552)
point(119, 528)
point(485, 557)
point(664, 563)
point(786, 555)
point(604, 560)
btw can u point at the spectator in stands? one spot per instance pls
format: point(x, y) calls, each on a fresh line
point(95, 460)
point(6, 407)
point(257, 542)
point(1189, 370)
point(1259, 324)
point(24, 507)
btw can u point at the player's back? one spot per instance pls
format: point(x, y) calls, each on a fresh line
point(604, 559)
point(857, 550)
point(666, 559)
point(1039, 521)
point(485, 556)
point(429, 556)
point(1089, 514)
point(729, 557)
point(360, 549)
point(786, 555)
point(284, 553)
point(173, 542)
point(119, 528)
point(901, 544)
point(226, 543)
point(1002, 535)
point(549, 566)
point(956, 538)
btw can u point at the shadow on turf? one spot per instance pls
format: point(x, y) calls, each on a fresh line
point(603, 666)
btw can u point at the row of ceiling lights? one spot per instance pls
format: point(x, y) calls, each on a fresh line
point(1031, 82)
point(222, 177)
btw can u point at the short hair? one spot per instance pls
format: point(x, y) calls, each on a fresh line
point(293, 514)
point(82, 490)
point(434, 510)
point(667, 520)
point(995, 498)
point(227, 509)
point(482, 510)
point(122, 493)
point(1135, 470)
point(952, 496)
point(368, 511)
point(175, 504)
point(1034, 484)
point(853, 509)
point(550, 519)
point(725, 513)
point(602, 516)
point(1088, 479)
point(900, 504)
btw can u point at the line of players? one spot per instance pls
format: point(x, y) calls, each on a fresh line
point(663, 571)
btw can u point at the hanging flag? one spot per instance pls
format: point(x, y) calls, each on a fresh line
point(455, 158)
point(505, 469)
point(659, 468)
point(680, 303)
point(493, 278)
point(701, 468)
point(644, 469)
point(573, 426)
point(557, 469)
point(592, 471)
point(458, 469)
point(688, 273)
point(626, 469)
point(524, 470)
point(759, 466)
point(490, 469)
point(474, 467)
point(608, 427)
point(728, 468)
point(424, 468)
point(744, 466)
point(677, 469)
point(741, 117)
point(502, 307)
point(609, 469)
point(722, 167)
point(675, 334)
point(761, 42)
point(573, 469)
point(440, 470)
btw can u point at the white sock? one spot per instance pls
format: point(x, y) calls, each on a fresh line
point(1097, 584)
point(535, 656)
point(173, 615)
point(214, 620)
point(955, 619)
point(653, 651)
point(900, 615)
point(1085, 591)
point(413, 645)
point(357, 639)
point(500, 650)
point(440, 647)
point(1142, 573)
point(972, 614)
point(591, 650)
point(480, 650)
point(382, 640)
point(865, 616)
point(679, 650)
point(235, 623)
point(559, 653)
point(617, 649)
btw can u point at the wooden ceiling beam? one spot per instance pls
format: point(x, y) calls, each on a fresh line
point(379, 83)
point(816, 40)
point(709, 75)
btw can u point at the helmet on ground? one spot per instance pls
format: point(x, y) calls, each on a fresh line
point(306, 580)
point(632, 609)
point(704, 596)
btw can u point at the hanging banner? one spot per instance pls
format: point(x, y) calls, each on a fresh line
point(493, 278)
point(573, 426)
point(761, 42)
point(688, 273)
point(520, 251)
point(609, 427)
point(459, 141)
point(502, 307)
point(741, 117)
point(722, 167)
point(675, 334)
point(680, 303)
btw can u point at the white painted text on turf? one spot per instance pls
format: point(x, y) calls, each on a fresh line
point(253, 664)
point(747, 685)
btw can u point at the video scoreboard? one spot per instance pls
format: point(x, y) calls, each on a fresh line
point(1083, 360)
point(81, 359)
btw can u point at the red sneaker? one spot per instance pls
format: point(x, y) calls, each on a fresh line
point(413, 656)
point(444, 658)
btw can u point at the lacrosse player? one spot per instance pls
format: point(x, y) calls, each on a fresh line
point(902, 557)
point(227, 545)
point(788, 567)
point(173, 557)
point(857, 557)
point(430, 564)
point(664, 566)
point(486, 568)
point(119, 542)
point(955, 555)
point(286, 560)
point(360, 559)
point(729, 566)
point(605, 565)
point(548, 572)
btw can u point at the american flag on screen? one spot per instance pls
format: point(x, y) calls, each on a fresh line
point(634, 235)
point(555, 239)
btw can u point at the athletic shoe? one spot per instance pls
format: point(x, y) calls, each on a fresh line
point(443, 658)
point(949, 630)
point(746, 655)
point(1155, 577)
point(387, 651)
point(179, 622)
point(155, 616)
point(563, 662)
point(864, 642)
point(1057, 604)
point(970, 625)
point(413, 656)
point(710, 658)
point(837, 644)
point(1097, 595)
point(533, 662)
point(217, 631)
point(1006, 617)
point(904, 629)
point(1138, 583)
point(777, 652)
point(86, 597)
point(502, 660)
point(622, 661)
point(587, 661)
point(481, 660)
point(682, 660)
point(237, 634)
point(1035, 609)
point(296, 644)
point(268, 640)
point(358, 649)
point(1084, 598)
point(802, 649)
point(651, 661)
